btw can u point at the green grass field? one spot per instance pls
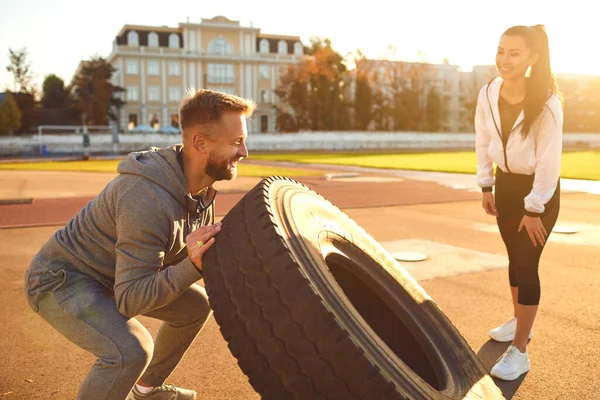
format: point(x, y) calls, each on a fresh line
point(248, 170)
point(575, 165)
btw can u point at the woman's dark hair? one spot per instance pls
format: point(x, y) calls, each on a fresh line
point(541, 83)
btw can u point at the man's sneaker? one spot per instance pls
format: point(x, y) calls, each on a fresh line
point(164, 392)
point(506, 332)
point(511, 365)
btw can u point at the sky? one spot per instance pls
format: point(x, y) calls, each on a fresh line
point(60, 33)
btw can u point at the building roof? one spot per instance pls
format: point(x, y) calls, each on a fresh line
point(147, 28)
point(279, 37)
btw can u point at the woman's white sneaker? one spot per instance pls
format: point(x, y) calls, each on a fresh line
point(506, 332)
point(511, 365)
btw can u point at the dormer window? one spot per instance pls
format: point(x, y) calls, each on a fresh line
point(152, 39)
point(174, 41)
point(298, 49)
point(264, 46)
point(282, 47)
point(132, 39)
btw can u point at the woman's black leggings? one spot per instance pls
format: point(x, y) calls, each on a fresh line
point(524, 258)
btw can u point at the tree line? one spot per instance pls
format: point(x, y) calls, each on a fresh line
point(321, 93)
point(89, 99)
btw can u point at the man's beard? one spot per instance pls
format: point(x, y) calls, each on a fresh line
point(218, 168)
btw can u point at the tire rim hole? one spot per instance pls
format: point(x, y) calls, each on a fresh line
point(391, 329)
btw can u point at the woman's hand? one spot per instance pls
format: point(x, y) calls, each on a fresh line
point(535, 229)
point(487, 202)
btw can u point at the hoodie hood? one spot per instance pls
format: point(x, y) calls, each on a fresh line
point(160, 166)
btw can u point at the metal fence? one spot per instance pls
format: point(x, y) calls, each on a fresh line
point(106, 143)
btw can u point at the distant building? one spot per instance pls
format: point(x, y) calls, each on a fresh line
point(461, 88)
point(156, 65)
point(582, 102)
point(448, 80)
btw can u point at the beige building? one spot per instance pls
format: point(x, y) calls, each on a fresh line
point(156, 65)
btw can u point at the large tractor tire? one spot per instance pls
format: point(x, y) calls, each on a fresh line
point(313, 307)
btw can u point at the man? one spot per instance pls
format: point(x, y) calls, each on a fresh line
point(136, 249)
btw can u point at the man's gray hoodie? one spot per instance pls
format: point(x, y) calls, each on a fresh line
point(131, 236)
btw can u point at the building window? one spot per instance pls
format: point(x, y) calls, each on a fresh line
point(220, 46)
point(174, 41)
point(282, 47)
point(175, 121)
point(174, 68)
point(264, 123)
point(131, 67)
point(153, 93)
point(154, 122)
point(298, 49)
point(152, 67)
point(133, 121)
point(221, 73)
point(264, 96)
point(132, 39)
point(263, 72)
point(174, 93)
point(264, 46)
point(152, 39)
point(132, 93)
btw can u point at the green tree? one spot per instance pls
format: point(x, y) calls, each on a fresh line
point(414, 81)
point(469, 101)
point(381, 110)
point(20, 67)
point(405, 108)
point(363, 102)
point(54, 93)
point(434, 110)
point(10, 115)
point(399, 92)
point(294, 92)
point(312, 93)
point(96, 98)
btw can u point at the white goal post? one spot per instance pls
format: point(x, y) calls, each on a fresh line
point(63, 134)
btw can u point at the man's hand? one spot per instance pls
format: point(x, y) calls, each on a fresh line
point(199, 241)
point(535, 229)
point(487, 202)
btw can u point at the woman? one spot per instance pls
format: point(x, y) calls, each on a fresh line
point(518, 124)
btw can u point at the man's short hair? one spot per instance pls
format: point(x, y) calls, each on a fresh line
point(206, 107)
